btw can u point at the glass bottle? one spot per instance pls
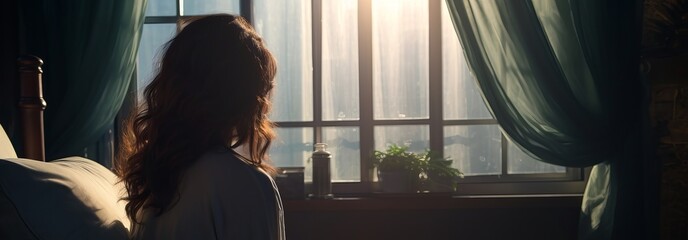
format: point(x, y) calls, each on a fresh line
point(322, 183)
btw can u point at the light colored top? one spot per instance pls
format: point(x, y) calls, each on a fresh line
point(221, 197)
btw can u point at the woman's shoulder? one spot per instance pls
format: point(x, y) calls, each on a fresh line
point(218, 159)
point(222, 167)
point(220, 175)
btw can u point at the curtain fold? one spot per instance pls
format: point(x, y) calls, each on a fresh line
point(89, 48)
point(561, 77)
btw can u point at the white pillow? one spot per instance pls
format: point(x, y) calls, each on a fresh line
point(70, 198)
point(6, 149)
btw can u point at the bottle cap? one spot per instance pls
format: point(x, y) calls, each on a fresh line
point(320, 147)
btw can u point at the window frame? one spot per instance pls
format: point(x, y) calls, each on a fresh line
point(571, 182)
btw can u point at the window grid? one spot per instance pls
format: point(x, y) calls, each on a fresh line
point(365, 86)
point(366, 122)
point(316, 22)
point(435, 78)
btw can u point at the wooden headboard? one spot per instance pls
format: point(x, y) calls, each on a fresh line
point(31, 106)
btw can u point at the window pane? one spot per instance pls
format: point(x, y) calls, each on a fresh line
point(286, 27)
point(200, 7)
point(161, 8)
point(400, 59)
point(520, 162)
point(340, 60)
point(154, 36)
point(344, 144)
point(293, 148)
point(415, 137)
point(475, 149)
point(462, 98)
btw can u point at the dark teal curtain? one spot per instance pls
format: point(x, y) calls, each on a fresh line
point(89, 48)
point(562, 79)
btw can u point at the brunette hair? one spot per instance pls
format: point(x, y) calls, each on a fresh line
point(212, 90)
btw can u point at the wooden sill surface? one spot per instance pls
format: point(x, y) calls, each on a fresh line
point(434, 201)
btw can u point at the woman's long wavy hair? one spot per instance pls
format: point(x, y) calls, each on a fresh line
point(213, 89)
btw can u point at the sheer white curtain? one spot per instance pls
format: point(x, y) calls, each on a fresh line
point(197, 7)
point(400, 71)
point(286, 27)
point(340, 60)
point(400, 59)
point(340, 89)
point(153, 37)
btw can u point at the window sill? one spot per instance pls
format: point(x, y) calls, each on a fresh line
point(472, 188)
point(432, 201)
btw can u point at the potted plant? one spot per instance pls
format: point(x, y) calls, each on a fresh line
point(402, 171)
point(441, 176)
point(397, 169)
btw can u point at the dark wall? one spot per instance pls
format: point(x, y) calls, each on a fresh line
point(522, 223)
point(500, 218)
point(9, 50)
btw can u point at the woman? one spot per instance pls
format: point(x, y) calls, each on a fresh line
point(182, 174)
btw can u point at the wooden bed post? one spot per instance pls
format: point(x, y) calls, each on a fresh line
point(31, 106)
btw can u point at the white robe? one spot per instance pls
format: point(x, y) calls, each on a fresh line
point(221, 197)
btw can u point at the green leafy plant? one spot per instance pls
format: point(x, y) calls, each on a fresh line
point(426, 170)
point(397, 158)
point(441, 176)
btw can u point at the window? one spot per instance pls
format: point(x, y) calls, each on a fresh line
point(362, 74)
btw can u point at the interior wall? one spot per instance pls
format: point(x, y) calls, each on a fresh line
point(391, 218)
point(511, 223)
point(9, 51)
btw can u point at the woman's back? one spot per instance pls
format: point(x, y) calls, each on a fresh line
point(221, 197)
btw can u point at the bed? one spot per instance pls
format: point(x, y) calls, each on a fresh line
point(69, 198)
